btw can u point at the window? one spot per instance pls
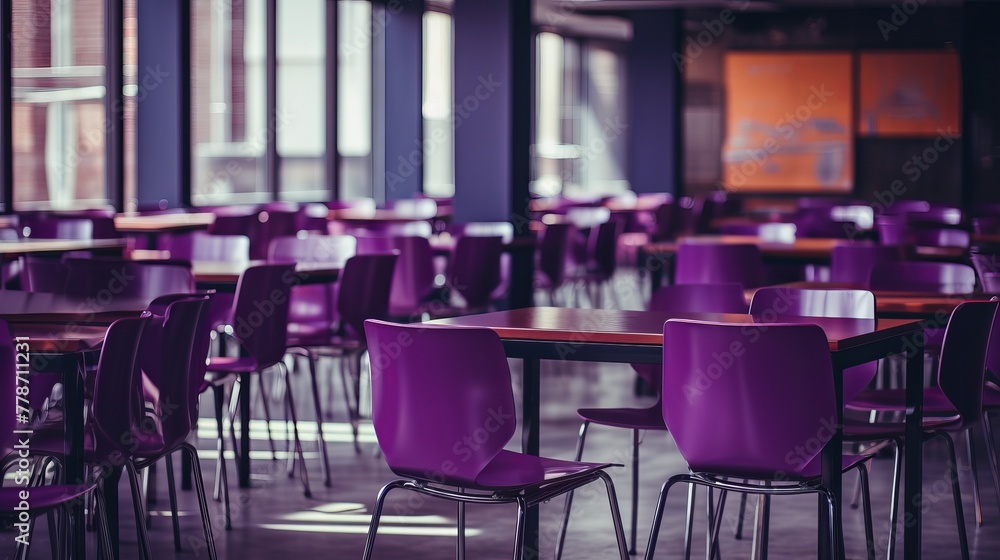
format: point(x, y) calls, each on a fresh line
point(580, 146)
point(58, 111)
point(439, 138)
point(301, 100)
point(354, 98)
point(228, 132)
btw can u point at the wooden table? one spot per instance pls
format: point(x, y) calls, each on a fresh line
point(60, 329)
point(598, 335)
point(352, 215)
point(223, 276)
point(35, 246)
point(157, 223)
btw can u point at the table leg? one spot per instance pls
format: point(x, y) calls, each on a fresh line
point(530, 399)
point(73, 469)
point(244, 458)
point(110, 488)
point(913, 455)
point(832, 475)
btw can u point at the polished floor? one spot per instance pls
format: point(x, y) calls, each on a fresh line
point(275, 520)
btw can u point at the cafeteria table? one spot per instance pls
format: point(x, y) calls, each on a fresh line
point(600, 335)
point(57, 246)
point(895, 304)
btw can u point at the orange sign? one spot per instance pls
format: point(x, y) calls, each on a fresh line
point(788, 122)
point(909, 94)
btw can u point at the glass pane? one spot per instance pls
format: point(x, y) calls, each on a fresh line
point(439, 141)
point(354, 98)
point(58, 111)
point(550, 154)
point(228, 130)
point(130, 70)
point(603, 133)
point(301, 94)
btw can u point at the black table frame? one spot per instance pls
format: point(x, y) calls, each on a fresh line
point(532, 352)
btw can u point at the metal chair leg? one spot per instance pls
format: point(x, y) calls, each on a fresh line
point(658, 513)
point(199, 483)
point(715, 527)
point(325, 458)
point(742, 514)
point(974, 467)
point(234, 405)
point(303, 474)
point(689, 520)
point(267, 414)
point(460, 544)
point(136, 486)
point(104, 529)
point(866, 500)
point(522, 511)
point(991, 452)
point(581, 439)
point(616, 516)
point(172, 494)
point(376, 515)
point(352, 411)
point(635, 490)
point(956, 491)
point(897, 468)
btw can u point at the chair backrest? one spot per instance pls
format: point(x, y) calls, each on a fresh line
point(312, 302)
point(173, 357)
point(383, 229)
point(853, 263)
point(778, 304)
point(907, 206)
point(941, 237)
point(364, 291)
point(109, 277)
point(920, 276)
point(43, 274)
point(987, 265)
point(260, 312)
point(718, 263)
point(413, 275)
point(433, 388)
point(894, 230)
point(745, 409)
point(962, 366)
point(602, 246)
point(202, 246)
point(474, 269)
point(504, 230)
point(553, 250)
point(699, 298)
point(117, 406)
point(937, 215)
point(51, 227)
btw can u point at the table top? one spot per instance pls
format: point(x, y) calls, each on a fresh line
point(147, 223)
point(57, 339)
point(605, 326)
point(805, 247)
point(38, 307)
point(220, 272)
point(25, 246)
point(384, 215)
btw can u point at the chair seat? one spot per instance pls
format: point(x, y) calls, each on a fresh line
point(510, 470)
point(631, 418)
point(42, 498)
point(313, 335)
point(991, 397)
point(895, 400)
point(232, 364)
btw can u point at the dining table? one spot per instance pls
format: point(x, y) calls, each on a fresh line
point(29, 246)
point(600, 335)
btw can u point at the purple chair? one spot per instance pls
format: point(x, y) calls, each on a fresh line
point(364, 294)
point(553, 252)
point(938, 277)
point(504, 230)
point(986, 225)
point(474, 272)
point(313, 307)
point(383, 229)
point(961, 375)
point(202, 246)
point(48, 227)
point(109, 277)
point(718, 263)
point(852, 263)
point(987, 267)
point(894, 230)
point(259, 323)
point(778, 394)
point(683, 298)
point(602, 251)
point(413, 277)
point(902, 207)
point(941, 237)
point(361, 205)
point(666, 227)
point(173, 361)
point(417, 428)
point(937, 216)
point(46, 499)
point(43, 274)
